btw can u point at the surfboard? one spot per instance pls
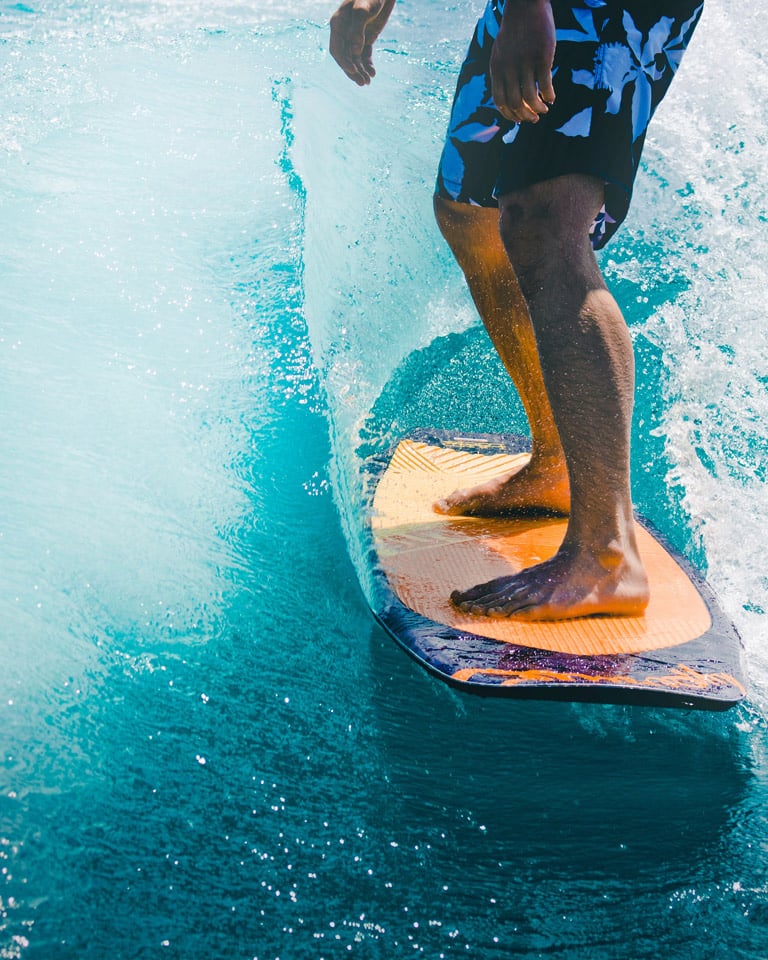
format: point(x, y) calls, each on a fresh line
point(683, 652)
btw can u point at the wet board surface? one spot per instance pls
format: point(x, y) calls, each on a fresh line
point(682, 652)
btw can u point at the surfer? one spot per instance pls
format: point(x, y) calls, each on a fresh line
point(544, 140)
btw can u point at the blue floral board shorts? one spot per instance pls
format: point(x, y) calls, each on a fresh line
point(614, 61)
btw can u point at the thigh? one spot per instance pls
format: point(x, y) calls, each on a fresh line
point(553, 212)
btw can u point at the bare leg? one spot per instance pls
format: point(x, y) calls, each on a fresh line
point(541, 486)
point(587, 364)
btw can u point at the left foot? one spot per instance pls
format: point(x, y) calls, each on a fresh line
point(565, 586)
point(539, 487)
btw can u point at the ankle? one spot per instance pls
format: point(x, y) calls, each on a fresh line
point(548, 457)
point(612, 552)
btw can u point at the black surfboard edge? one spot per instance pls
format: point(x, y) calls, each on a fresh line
point(685, 676)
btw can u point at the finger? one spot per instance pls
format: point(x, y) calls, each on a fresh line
point(532, 100)
point(345, 58)
point(528, 113)
point(347, 44)
point(546, 87)
point(351, 70)
point(354, 69)
point(526, 106)
point(507, 99)
point(508, 96)
point(367, 60)
point(523, 113)
point(498, 77)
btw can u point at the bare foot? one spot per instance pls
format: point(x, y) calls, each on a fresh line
point(567, 585)
point(540, 487)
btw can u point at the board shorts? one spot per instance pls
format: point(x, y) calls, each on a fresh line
point(614, 61)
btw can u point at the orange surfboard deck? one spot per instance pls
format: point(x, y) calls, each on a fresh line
point(682, 652)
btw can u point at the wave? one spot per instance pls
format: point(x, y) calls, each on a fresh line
point(395, 337)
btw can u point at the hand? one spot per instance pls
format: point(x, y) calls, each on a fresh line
point(521, 61)
point(354, 28)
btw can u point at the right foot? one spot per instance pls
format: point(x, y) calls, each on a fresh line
point(534, 489)
point(569, 584)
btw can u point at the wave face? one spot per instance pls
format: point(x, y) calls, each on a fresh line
point(396, 339)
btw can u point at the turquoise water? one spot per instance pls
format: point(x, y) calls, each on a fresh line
point(221, 287)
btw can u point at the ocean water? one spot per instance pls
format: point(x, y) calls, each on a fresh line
point(220, 286)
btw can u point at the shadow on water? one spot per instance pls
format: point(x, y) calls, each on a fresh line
point(534, 772)
point(567, 816)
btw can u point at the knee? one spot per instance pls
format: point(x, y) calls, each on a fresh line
point(472, 233)
point(549, 222)
point(458, 220)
